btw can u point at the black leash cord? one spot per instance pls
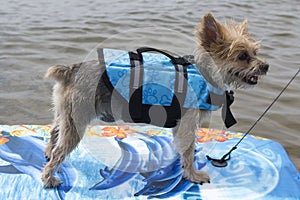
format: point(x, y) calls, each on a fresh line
point(222, 162)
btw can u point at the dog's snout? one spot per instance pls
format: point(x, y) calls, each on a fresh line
point(264, 67)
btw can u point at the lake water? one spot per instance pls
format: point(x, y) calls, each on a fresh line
point(35, 35)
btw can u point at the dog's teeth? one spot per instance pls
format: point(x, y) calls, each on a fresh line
point(253, 78)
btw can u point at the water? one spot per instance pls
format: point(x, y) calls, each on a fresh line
point(35, 35)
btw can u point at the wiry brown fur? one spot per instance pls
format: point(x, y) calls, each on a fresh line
point(226, 56)
point(224, 43)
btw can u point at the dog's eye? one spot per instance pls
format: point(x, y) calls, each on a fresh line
point(244, 56)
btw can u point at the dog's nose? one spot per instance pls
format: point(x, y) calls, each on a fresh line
point(264, 67)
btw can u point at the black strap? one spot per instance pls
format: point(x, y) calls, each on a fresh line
point(136, 72)
point(225, 100)
point(227, 115)
point(216, 99)
point(180, 88)
point(175, 60)
point(101, 57)
point(189, 58)
point(136, 87)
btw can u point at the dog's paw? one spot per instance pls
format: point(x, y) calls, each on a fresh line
point(196, 176)
point(47, 157)
point(47, 154)
point(51, 182)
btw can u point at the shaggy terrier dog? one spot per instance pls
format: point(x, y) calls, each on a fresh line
point(226, 56)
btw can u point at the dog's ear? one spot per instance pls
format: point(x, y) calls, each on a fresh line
point(208, 31)
point(243, 27)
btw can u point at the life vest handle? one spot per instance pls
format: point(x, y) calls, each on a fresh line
point(175, 60)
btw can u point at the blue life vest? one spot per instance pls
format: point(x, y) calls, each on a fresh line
point(145, 79)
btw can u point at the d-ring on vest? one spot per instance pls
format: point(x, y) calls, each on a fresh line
point(158, 88)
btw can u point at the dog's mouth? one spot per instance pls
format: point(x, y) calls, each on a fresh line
point(252, 76)
point(250, 79)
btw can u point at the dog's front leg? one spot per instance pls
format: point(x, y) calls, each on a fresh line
point(184, 142)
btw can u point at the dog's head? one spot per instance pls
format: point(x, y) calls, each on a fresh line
point(233, 51)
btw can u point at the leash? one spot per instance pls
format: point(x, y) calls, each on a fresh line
point(223, 161)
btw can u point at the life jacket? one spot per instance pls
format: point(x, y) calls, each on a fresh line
point(159, 87)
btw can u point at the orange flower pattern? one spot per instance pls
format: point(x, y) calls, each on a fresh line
point(112, 131)
point(118, 131)
point(209, 135)
point(3, 140)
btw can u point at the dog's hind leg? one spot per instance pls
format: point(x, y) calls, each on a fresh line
point(74, 101)
point(71, 128)
point(68, 138)
point(53, 139)
point(184, 142)
point(53, 135)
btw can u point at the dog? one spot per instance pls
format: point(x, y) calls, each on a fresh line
point(226, 55)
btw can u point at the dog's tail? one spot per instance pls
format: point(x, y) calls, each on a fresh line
point(59, 73)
